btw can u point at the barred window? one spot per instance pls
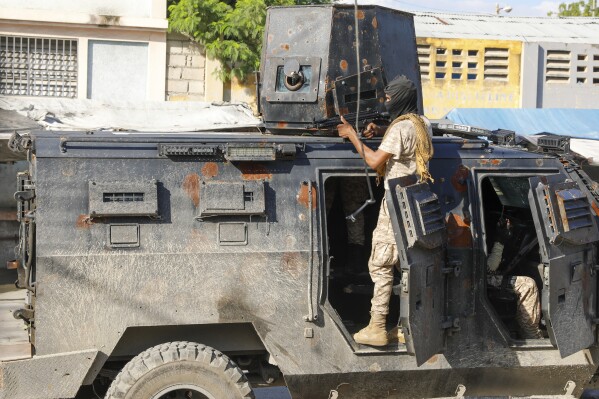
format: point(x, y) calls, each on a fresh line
point(34, 66)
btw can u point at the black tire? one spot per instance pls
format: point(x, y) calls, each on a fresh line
point(188, 365)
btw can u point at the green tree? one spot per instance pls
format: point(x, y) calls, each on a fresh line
point(230, 30)
point(576, 9)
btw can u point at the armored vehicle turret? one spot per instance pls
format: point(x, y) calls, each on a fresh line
point(309, 73)
point(204, 265)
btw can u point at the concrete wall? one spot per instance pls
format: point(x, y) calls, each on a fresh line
point(192, 76)
point(185, 69)
point(469, 74)
point(560, 75)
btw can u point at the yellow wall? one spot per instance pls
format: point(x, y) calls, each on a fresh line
point(486, 74)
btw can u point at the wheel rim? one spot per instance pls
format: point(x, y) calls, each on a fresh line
point(182, 391)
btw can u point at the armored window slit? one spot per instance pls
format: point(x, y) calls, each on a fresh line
point(566, 212)
point(574, 209)
point(423, 221)
point(119, 199)
point(123, 197)
point(364, 95)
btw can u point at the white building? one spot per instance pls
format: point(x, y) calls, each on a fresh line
point(83, 49)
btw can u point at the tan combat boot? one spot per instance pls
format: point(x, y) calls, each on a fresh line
point(396, 335)
point(375, 333)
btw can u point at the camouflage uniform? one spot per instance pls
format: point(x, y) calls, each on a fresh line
point(528, 313)
point(400, 141)
point(354, 192)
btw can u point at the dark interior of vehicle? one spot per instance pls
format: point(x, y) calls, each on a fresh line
point(350, 287)
point(505, 203)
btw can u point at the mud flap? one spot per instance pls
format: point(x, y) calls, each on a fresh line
point(419, 230)
point(568, 234)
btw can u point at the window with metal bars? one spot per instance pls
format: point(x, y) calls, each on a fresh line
point(35, 66)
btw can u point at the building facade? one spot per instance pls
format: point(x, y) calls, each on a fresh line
point(468, 74)
point(83, 49)
point(490, 61)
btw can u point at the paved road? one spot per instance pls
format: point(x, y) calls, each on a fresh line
point(261, 393)
point(272, 393)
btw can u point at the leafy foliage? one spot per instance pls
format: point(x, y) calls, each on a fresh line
point(230, 30)
point(576, 9)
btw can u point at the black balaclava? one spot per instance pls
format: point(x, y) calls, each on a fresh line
point(404, 97)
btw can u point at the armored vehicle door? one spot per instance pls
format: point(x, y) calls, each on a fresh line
point(567, 232)
point(420, 235)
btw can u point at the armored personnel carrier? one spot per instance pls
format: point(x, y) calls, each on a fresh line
point(202, 265)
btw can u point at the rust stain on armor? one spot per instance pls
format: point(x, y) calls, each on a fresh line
point(459, 178)
point(595, 207)
point(467, 284)
point(254, 171)
point(361, 14)
point(191, 185)
point(302, 196)
point(282, 125)
point(83, 222)
point(210, 169)
point(375, 23)
point(292, 263)
point(285, 46)
point(458, 232)
point(343, 65)
point(8, 215)
point(490, 162)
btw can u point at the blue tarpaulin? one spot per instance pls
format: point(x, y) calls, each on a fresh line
point(581, 123)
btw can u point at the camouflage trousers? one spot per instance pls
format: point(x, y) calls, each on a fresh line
point(528, 313)
point(353, 192)
point(383, 260)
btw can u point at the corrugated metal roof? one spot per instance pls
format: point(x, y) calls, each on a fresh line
point(501, 27)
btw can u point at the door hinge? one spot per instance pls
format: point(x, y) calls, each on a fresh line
point(453, 266)
point(404, 284)
point(26, 314)
point(451, 325)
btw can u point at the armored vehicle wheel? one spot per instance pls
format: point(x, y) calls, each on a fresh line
point(180, 370)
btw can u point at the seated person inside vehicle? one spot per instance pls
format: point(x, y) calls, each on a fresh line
point(513, 262)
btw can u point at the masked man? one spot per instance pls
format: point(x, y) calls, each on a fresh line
point(404, 152)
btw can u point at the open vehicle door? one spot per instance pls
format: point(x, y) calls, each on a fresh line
point(568, 233)
point(420, 235)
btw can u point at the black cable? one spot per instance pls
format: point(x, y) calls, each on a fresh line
point(370, 200)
